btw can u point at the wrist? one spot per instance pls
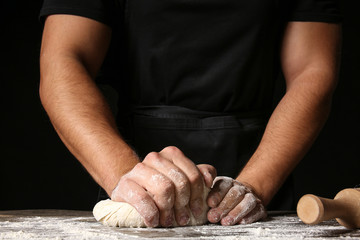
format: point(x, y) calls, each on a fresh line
point(262, 188)
point(123, 164)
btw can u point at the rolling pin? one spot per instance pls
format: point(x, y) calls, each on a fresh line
point(345, 207)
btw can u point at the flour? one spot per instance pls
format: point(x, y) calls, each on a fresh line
point(71, 225)
point(17, 235)
point(261, 231)
point(41, 227)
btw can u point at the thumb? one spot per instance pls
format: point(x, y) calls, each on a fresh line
point(208, 172)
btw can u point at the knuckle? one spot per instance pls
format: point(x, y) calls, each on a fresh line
point(138, 167)
point(183, 187)
point(167, 188)
point(124, 181)
point(172, 150)
point(180, 180)
point(209, 170)
point(195, 178)
point(142, 198)
point(152, 156)
point(164, 186)
point(212, 170)
point(235, 192)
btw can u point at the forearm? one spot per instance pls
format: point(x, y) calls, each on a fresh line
point(291, 130)
point(83, 120)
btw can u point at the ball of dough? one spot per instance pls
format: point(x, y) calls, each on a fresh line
point(121, 214)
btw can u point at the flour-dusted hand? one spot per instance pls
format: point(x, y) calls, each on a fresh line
point(233, 202)
point(165, 187)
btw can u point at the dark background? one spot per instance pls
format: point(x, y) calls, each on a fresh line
point(37, 171)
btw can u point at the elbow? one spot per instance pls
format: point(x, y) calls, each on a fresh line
point(315, 84)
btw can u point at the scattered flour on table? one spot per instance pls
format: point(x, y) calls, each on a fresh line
point(54, 228)
point(86, 228)
point(261, 231)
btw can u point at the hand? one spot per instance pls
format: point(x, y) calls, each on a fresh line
point(232, 203)
point(163, 185)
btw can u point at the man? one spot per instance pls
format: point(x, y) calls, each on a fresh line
point(202, 76)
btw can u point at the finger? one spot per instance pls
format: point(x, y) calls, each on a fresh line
point(247, 205)
point(136, 196)
point(180, 181)
point(208, 172)
point(194, 176)
point(256, 214)
point(219, 190)
point(232, 198)
point(159, 187)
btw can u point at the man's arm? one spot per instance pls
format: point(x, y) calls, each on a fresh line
point(165, 183)
point(72, 52)
point(309, 57)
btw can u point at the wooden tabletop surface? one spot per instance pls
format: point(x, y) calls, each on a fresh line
point(66, 224)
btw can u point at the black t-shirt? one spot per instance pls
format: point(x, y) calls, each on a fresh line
point(206, 55)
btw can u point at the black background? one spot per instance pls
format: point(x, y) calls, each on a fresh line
point(37, 171)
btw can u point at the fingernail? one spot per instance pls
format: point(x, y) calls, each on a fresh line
point(227, 221)
point(214, 215)
point(169, 221)
point(184, 220)
point(154, 222)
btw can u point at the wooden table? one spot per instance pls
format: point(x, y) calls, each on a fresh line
point(64, 224)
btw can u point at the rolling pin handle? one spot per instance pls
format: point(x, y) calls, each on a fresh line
point(313, 210)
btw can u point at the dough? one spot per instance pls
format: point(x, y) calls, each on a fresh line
point(120, 214)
